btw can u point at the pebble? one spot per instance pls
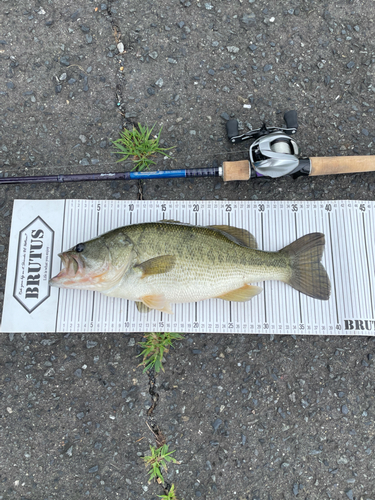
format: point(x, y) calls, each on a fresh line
point(153, 54)
point(232, 49)
point(65, 61)
point(216, 424)
point(350, 65)
point(247, 18)
point(345, 409)
point(208, 6)
point(83, 138)
point(2, 248)
point(94, 469)
point(78, 373)
point(267, 68)
point(159, 82)
point(88, 38)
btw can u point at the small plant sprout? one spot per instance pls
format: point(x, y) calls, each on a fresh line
point(139, 144)
point(171, 495)
point(154, 348)
point(157, 461)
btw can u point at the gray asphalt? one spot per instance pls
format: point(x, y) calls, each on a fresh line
point(249, 417)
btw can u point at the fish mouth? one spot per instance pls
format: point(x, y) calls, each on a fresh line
point(71, 265)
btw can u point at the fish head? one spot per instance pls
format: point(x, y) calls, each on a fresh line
point(97, 264)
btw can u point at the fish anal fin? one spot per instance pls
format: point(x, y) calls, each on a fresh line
point(158, 302)
point(238, 235)
point(142, 308)
point(242, 294)
point(157, 265)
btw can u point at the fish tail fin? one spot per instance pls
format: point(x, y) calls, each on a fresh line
point(307, 272)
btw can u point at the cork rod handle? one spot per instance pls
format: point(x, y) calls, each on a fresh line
point(236, 170)
point(327, 165)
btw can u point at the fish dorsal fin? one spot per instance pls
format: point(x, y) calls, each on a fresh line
point(238, 235)
point(157, 265)
point(169, 221)
point(242, 294)
point(158, 302)
point(142, 308)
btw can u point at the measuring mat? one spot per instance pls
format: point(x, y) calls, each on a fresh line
point(42, 229)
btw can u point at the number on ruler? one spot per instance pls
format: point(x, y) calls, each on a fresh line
point(98, 207)
point(261, 207)
point(328, 207)
point(228, 208)
point(196, 208)
point(164, 207)
point(362, 207)
point(131, 207)
point(294, 207)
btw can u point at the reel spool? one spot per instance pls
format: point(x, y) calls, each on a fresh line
point(274, 155)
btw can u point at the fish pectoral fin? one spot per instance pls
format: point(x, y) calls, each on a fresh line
point(157, 302)
point(242, 294)
point(238, 235)
point(157, 265)
point(142, 308)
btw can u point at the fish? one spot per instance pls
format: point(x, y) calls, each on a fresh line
point(157, 264)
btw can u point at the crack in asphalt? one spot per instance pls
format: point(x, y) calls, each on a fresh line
point(151, 420)
point(116, 31)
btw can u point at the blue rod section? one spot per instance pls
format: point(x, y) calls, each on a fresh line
point(159, 174)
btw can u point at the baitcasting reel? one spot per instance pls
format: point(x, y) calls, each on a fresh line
point(273, 153)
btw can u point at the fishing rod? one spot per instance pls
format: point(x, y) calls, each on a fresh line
point(273, 153)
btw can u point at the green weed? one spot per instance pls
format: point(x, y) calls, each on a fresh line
point(157, 461)
point(154, 348)
point(171, 495)
point(140, 145)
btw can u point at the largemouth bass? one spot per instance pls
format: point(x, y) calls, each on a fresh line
point(159, 263)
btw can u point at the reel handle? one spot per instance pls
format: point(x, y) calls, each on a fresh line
point(232, 128)
point(290, 119)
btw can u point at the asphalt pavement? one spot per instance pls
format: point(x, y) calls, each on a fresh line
point(249, 417)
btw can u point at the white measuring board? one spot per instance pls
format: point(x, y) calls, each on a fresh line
point(42, 229)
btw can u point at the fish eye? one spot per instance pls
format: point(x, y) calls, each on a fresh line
point(80, 247)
